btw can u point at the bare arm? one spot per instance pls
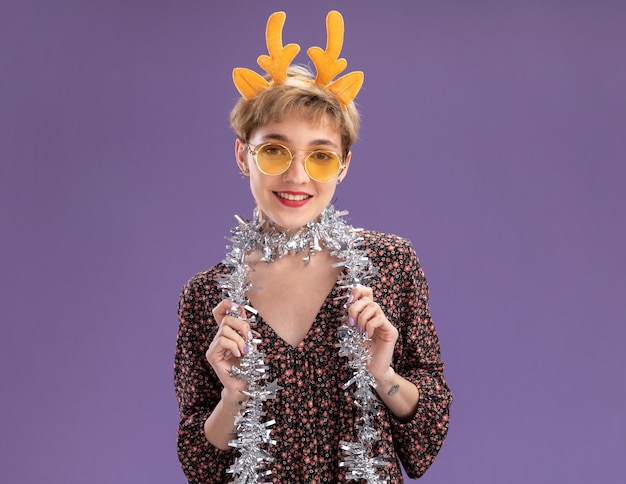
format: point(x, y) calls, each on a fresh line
point(398, 394)
point(226, 349)
point(219, 427)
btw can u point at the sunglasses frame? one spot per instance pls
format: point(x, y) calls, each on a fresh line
point(254, 151)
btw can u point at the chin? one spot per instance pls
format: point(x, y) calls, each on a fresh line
point(292, 221)
point(291, 224)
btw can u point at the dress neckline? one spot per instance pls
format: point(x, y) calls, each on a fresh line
point(328, 306)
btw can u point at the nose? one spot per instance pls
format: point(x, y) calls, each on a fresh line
point(296, 173)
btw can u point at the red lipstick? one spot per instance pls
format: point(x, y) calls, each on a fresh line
point(293, 199)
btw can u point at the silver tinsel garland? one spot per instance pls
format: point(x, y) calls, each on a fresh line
point(253, 434)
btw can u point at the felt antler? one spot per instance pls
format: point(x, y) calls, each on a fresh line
point(328, 64)
point(248, 82)
point(280, 57)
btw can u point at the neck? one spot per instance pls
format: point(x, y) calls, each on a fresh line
point(267, 225)
point(273, 242)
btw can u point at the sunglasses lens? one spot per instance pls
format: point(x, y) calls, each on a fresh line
point(322, 165)
point(273, 159)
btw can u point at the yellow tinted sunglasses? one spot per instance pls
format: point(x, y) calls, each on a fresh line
point(274, 159)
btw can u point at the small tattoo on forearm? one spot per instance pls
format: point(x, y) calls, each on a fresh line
point(393, 390)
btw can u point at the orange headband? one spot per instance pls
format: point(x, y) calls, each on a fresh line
point(327, 62)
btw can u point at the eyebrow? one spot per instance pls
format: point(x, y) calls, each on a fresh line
point(285, 139)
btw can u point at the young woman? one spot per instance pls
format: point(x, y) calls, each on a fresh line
point(293, 139)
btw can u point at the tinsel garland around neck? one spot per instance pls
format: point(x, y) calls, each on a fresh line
point(253, 439)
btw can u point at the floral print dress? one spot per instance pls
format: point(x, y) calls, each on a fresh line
point(312, 411)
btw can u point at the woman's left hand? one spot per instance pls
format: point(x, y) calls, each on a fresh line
point(364, 312)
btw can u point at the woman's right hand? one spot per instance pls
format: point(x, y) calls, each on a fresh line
point(228, 346)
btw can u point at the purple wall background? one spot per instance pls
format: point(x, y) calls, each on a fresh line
point(493, 138)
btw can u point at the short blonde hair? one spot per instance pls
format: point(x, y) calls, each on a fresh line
point(296, 96)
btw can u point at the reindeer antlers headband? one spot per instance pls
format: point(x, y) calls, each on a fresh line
point(327, 62)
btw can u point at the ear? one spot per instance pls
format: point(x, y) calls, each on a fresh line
point(344, 172)
point(241, 155)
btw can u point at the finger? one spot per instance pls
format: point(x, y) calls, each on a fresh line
point(222, 349)
point(368, 312)
point(227, 343)
point(242, 327)
point(230, 333)
point(374, 323)
point(228, 308)
point(369, 316)
point(222, 309)
point(384, 330)
point(357, 307)
point(360, 292)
